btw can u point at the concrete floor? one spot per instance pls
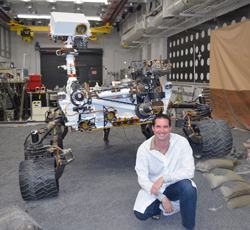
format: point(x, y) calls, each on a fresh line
point(98, 189)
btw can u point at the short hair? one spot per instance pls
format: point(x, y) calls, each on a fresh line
point(159, 116)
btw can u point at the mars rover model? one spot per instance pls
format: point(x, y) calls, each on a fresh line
point(81, 110)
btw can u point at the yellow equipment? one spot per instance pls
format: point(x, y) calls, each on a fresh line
point(27, 32)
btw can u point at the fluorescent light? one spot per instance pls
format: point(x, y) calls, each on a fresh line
point(101, 1)
point(93, 18)
point(47, 16)
point(82, 1)
point(78, 1)
point(34, 16)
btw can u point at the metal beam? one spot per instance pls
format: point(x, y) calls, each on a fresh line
point(197, 15)
point(153, 36)
point(139, 42)
point(171, 28)
point(32, 28)
point(103, 29)
point(17, 27)
point(4, 16)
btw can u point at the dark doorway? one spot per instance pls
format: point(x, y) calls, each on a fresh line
point(88, 67)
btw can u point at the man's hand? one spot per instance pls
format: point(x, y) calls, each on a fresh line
point(167, 205)
point(156, 186)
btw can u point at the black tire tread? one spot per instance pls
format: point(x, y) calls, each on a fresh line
point(216, 138)
point(37, 179)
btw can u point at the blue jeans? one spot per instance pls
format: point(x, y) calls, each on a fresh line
point(183, 191)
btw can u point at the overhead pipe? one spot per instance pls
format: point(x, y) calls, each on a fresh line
point(173, 8)
point(4, 16)
point(110, 10)
point(170, 8)
point(118, 9)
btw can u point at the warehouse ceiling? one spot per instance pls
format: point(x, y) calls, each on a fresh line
point(138, 21)
point(98, 12)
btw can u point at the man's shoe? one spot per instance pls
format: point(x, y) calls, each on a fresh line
point(156, 217)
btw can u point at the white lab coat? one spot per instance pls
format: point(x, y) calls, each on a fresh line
point(178, 162)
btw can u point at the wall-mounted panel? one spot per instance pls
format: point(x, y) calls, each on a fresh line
point(189, 51)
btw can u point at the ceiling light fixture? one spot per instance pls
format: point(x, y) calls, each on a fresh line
point(47, 16)
point(138, 8)
point(32, 11)
point(82, 1)
point(28, 5)
point(93, 18)
point(78, 8)
point(78, 1)
point(53, 7)
point(34, 16)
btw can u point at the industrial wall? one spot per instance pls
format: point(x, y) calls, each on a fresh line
point(2, 59)
point(189, 52)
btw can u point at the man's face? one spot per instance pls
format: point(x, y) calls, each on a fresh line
point(161, 129)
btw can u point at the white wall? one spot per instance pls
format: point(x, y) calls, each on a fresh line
point(135, 53)
point(159, 48)
point(115, 57)
point(23, 53)
point(2, 59)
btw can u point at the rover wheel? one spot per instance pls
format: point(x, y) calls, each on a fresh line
point(216, 138)
point(147, 130)
point(37, 179)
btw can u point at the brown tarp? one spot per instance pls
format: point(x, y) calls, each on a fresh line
point(230, 74)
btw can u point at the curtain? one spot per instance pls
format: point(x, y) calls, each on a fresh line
point(230, 74)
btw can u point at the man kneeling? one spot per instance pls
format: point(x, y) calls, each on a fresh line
point(165, 166)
